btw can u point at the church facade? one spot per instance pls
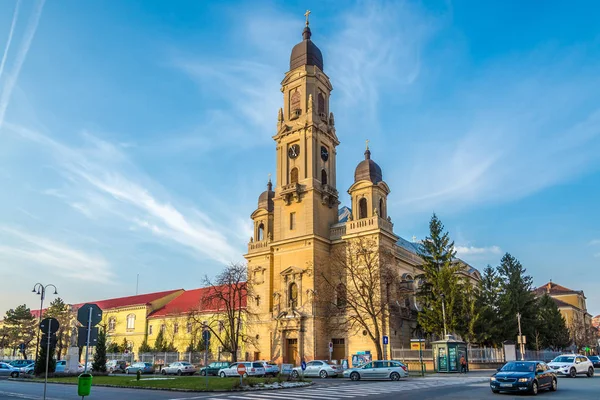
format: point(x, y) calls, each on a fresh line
point(299, 223)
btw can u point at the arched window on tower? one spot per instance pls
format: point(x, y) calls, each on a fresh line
point(340, 296)
point(294, 175)
point(382, 209)
point(295, 108)
point(293, 295)
point(324, 177)
point(260, 233)
point(321, 105)
point(362, 208)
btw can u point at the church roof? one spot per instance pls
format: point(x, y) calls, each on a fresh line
point(265, 200)
point(344, 213)
point(306, 52)
point(368, 170)
point(555, 289)
point(141, 299)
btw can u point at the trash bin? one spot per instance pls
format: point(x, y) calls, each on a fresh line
point(84, 384)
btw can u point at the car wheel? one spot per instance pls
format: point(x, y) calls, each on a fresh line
point(323, 374)
point(163, 372)
point(395, 376)
point(222, 374)
point(554, 385)
point(203, 373)
point(178, 372)
point(590, 372)
point(573, 373)
point(354, 376)
point(534, 388)
point(127, 371)
point(295, 374)
point(14, 374)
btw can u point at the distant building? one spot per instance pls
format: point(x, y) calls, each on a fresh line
point(596, 321)
point(571, 303)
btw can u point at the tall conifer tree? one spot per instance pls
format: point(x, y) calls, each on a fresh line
point(488, 327)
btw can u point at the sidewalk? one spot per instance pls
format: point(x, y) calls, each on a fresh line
point(477, 373)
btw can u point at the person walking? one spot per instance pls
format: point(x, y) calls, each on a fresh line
point(463, 364)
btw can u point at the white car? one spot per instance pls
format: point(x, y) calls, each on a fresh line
point(252, 369)
point(271, 368)
point(572, 365)
point(62, 365)
point(179, 368)
point(322, 369)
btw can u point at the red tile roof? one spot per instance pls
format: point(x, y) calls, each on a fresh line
point(36, 313)
point(553, 288)
point(191, 300)
point(128, 301)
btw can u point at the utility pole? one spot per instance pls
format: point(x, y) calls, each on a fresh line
point(521, 344)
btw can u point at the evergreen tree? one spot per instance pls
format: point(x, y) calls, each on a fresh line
point(59, 310)
point(551, 328)
point(40, 364)
point(488, 327)
point(113, 348)
point(21, 328)
point(440, 282)
point(124, 346)
point(516, 296)
point(99, 364)
point(160, 345)
point(144, 347)
point(471, 314)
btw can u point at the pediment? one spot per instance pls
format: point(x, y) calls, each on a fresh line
point(291, 271)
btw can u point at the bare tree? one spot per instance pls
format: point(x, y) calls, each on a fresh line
point(223, 309)
point(357, 287)
point(583, 334)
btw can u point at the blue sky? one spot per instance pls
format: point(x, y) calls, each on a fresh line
point(135, 136)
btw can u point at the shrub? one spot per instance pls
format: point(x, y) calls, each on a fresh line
point(236, 385)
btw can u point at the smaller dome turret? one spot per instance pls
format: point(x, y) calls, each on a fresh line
point(368, 170)
point(265, 200)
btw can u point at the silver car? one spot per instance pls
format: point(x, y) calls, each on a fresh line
point(252, 369)
point(8, 370)
point(179, 368)
point(383, 369)
point(322, 369)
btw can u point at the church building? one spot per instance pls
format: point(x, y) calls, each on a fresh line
point(299, 222)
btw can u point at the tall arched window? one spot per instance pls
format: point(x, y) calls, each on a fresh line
point(112, 322)
point(295, 102)
point(131, 321)
point(260, 233)
point(340, 296)
point(293, 295)
point(324, 177)
point(362, 208)
point(294, 175)
point(321, 104)
point(382, 208)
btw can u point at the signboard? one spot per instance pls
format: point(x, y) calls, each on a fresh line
point(82, 336)
point(331, 347)
point(303, 365)
point(49, 325)
point(386, 339)
point(344, 364)
point(286, 369)
point(522, 339)
point(241, 369)
point(414, 344)
point(83, 314)
point(360, 359)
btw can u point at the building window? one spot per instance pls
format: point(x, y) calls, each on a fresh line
point(340, 296)
point(150, 330)
point(294, 175)
point(162, 328)
point(321, 104)
point(176, 328)
point(257, 301)
point(381, 208)
point(293, 295)
point(362, 208)
point(324, 177)
point(295, 103)
point(261, 232)
point(189, 327)
point(131, 321)
point(292, 221)
point(112, 322)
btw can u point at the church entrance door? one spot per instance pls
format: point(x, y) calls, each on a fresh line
point(291, 353)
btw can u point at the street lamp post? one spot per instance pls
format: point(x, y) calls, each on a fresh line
point(41, 290)
point(444, 313)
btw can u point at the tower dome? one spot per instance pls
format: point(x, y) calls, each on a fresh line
point(306, 52)
point(265, 200)
point(368, 170)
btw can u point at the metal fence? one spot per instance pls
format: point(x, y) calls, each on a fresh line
point(476, 355)
point(544, 355)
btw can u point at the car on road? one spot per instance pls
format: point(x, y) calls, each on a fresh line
point(213, 368)
point(28, 369)
point(595, 361)
point(253, 368)
point(61, 366)
point(384, 369)
point(524, 377)
point(9, 370)
point(143, 367)
point(320, 368)
point(572, 365)
point(271, 369)
point(179, 368)
point(113, 366)
point(20, 363)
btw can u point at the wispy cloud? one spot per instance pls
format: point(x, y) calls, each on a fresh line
point(64, 260)
point(9, 84)
point(595, 242)
point(472, 250)
point(10, 36)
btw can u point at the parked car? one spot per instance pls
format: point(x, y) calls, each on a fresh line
point(9, 370)
point(271, 368)
point(252, 369)
point(20, 363)
point(322, 369)
point(595, 361)
point(384, 369)
point(144, 367)
point(572, 365)
point(179, 368)
point(28, 369)
point(213, 368)
point(523, 377)
point(113, 366)
point(61, 366)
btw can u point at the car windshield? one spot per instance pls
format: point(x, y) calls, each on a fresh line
point(257, 365)
point(564, 359)
point(185, 363)
point(518, 367)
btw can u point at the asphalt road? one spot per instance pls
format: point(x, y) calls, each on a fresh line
point(452, 387)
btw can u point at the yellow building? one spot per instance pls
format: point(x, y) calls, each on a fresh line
point(571, 304)
point(298, 224)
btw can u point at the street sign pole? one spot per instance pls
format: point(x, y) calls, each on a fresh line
point(47, 355)
point(87, 346)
